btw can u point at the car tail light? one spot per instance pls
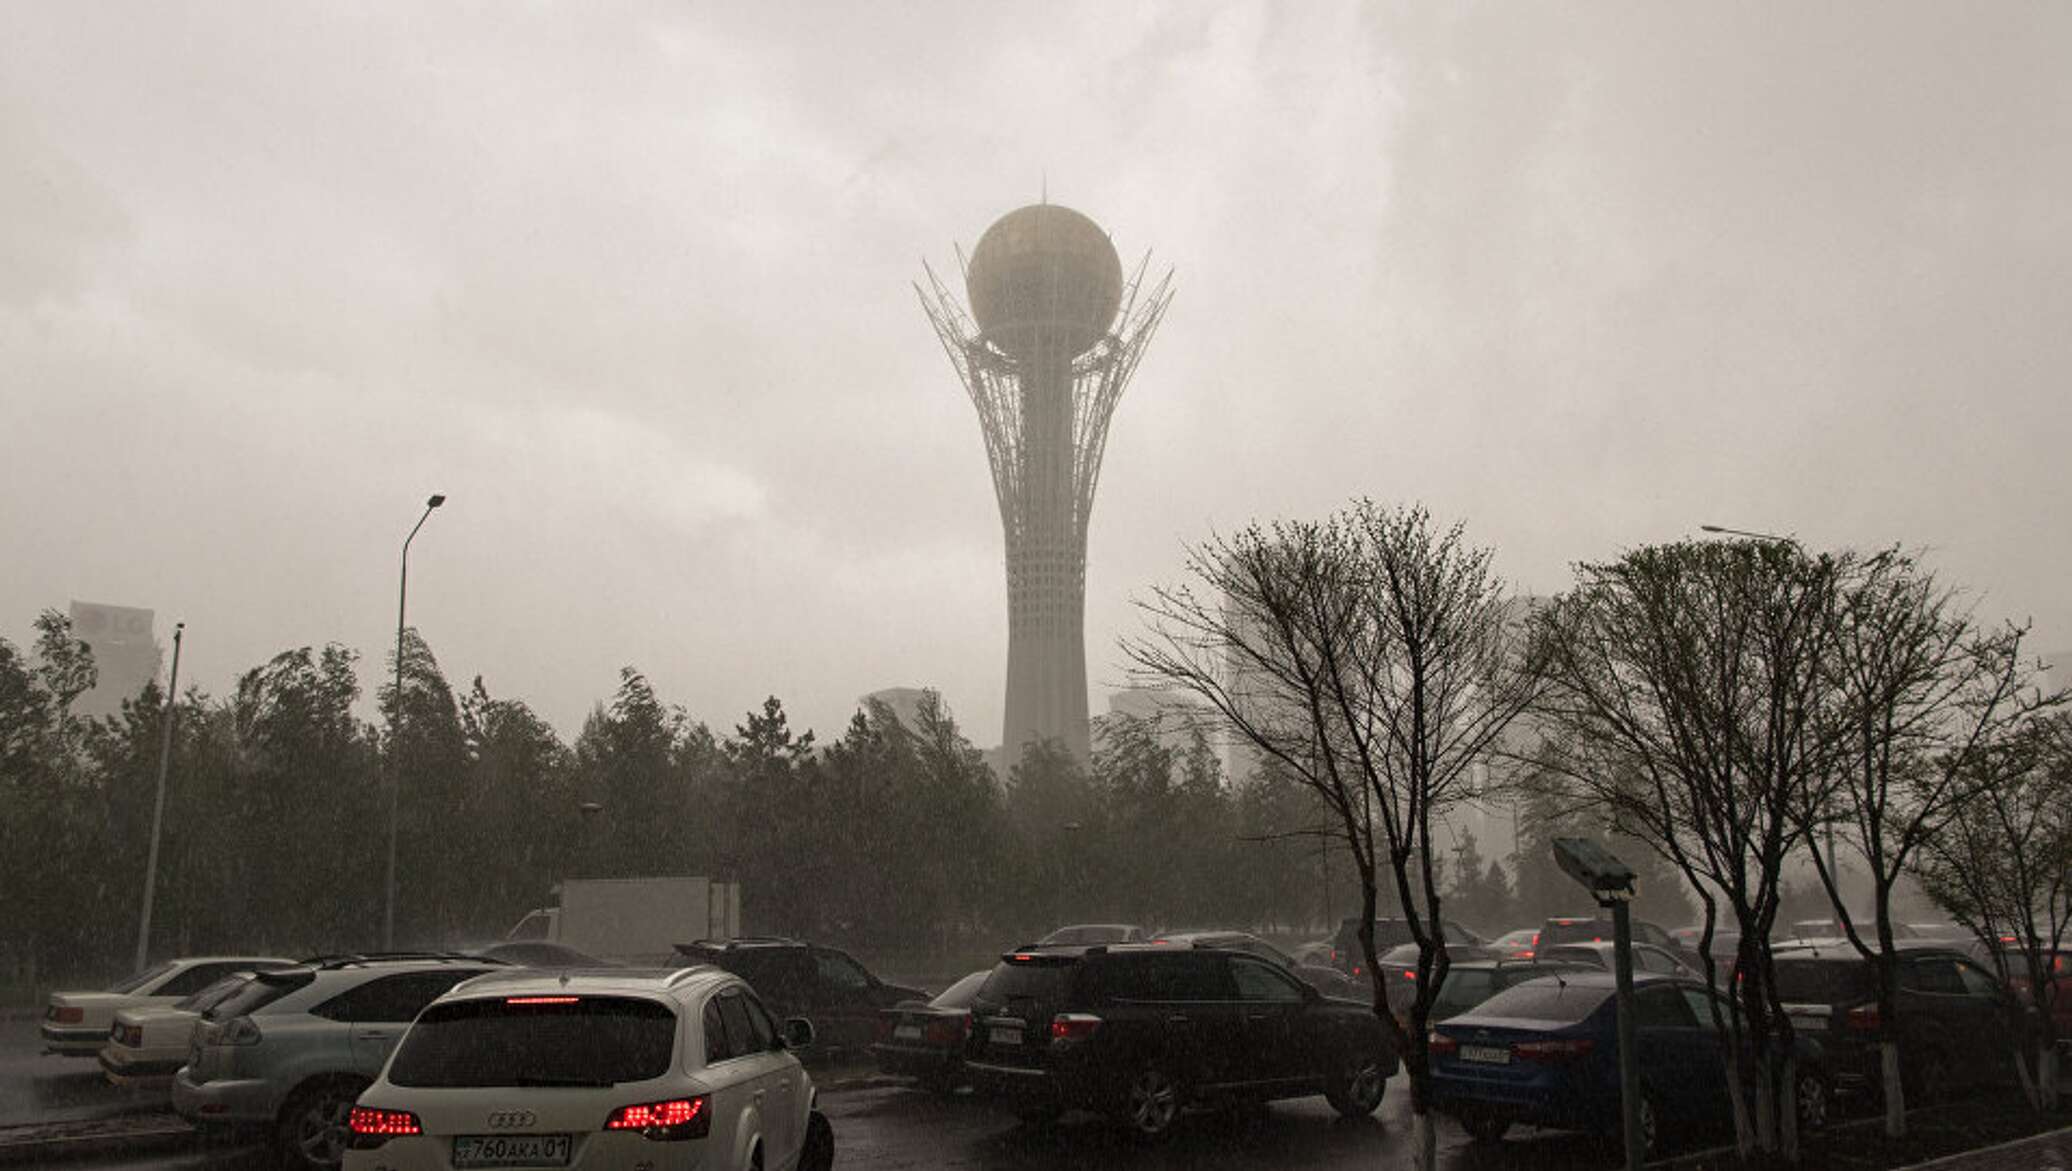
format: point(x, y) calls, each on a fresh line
point(1073, 1026)
point(882, 1031)
point(947, 1032)
point(1566, 1049)
point(1439, 1044)
point(537, 1000)
point(238, 1031)
point(376, 1123)
point(1410, 973)
point(1523, 954)
point(1863, 1018)
point(68, 1016)
point(678, 1118)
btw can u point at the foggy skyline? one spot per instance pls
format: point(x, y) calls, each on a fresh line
point(630, 284)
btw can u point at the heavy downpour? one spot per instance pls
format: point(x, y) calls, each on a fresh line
point(553, 612)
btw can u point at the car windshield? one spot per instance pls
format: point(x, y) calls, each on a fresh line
point(259, 992)
point(1810, 981)
point(140, 979)
point(962, 993)
point(1546, 999)
point(1088, 934)
point(214, 994)
point(536, 1041)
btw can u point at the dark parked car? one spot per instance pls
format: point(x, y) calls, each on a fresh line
point(1388, 933)
point(1327, 980)
point(823, 984)
point(1646, 958)
point(1470, 982)
point(1140, 1032)
point(1598, 929)
point(1958, 1024)
point(1546, 1052)
point(926, 1040)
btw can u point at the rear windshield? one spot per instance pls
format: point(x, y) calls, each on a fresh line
point(537, 1041)
point(140, 979)
point(962, 993)
point(1822, 981)
point(1028, 981)
point(259, 992)
point(213, 995)
point(1545, 999)
point(1577, 931)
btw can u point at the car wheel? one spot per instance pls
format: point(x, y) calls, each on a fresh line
point(1813, 1095)
point(818, 1153)
point(1931, 1082)
point(1151, 1105)
point(1485, 1128)
point(314, 1125)
point(1357, 1093)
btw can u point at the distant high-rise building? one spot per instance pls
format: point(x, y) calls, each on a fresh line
point(126, 654)
point(1053, 333)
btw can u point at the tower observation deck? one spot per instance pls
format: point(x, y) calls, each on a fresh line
point(1054, 332)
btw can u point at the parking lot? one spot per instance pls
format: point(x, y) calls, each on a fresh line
point(881, 1127)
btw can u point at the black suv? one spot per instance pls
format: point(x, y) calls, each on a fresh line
point(1388, 934)
point(1957, 1024)
point(794, 978)
point(1140, 1031)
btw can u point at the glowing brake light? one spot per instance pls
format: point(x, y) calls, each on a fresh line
point(1863, 1018)
point(1567, 1049)
point(375, 1123)
point(1526, 954)
point(1073, 1026)
point(1022, 957)
point(678, 1118)
point(541, 999)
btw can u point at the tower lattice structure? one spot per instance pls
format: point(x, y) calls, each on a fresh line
point(1054, 332)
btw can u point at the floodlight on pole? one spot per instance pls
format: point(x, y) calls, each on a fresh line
point(165, 754)
point(388, 911)
point(1611, 882)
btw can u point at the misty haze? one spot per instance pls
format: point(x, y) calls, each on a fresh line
point(681, 585)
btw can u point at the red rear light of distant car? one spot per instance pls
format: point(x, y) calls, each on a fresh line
point(538, 1000)
point(882, 1031)
point(1073, 1026)
point(1566, 1049)
point(1863, 1018)
point(1522, 954)
point(947, 1032)
point(1022, 957)
point(68, 1016)
point(375, 1123)
point(1441, 1045)
point(678, 1118)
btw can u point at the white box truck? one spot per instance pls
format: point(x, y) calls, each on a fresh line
point(639, 919)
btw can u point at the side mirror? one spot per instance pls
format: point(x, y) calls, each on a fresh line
point(798, 1033)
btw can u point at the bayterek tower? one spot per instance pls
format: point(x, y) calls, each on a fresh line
point(1053, 333)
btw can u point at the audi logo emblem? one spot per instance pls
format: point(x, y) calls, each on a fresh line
point(510, 1119)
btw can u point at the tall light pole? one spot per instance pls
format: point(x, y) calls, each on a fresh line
point(165, 754)
point(388, 912)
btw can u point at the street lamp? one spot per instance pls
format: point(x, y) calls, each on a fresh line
point(165, 753)
point(1611, 883)
point(388, 913)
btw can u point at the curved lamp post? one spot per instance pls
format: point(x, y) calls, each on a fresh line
point(388, 911)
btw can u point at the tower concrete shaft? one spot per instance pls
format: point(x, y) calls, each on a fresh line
point(1044, 407)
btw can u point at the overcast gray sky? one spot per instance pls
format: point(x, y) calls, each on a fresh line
point(630, 283)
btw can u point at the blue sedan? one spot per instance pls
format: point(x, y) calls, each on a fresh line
point(1546, 1052)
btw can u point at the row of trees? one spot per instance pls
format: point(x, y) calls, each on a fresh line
point(1714, 706)
point(895, 837)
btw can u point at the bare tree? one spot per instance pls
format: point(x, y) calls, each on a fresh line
point(2002, 866)
point(1376, 662)
point(1921, 697)
point(1682, 692)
